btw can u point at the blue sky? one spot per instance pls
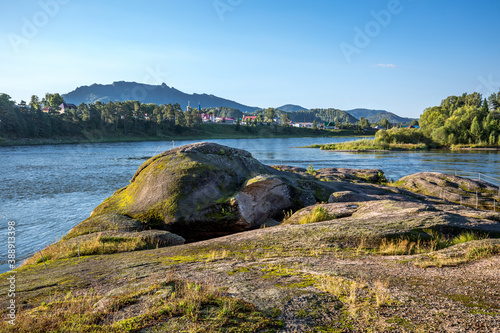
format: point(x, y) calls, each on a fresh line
point(402, 56)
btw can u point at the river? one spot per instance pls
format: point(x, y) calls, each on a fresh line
point(49, 189)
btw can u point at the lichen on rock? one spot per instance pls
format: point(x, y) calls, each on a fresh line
point(204, 190)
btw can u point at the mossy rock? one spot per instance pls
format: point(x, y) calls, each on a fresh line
point(192, 190)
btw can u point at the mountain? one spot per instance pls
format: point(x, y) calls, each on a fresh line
point(145, 93)
point(375, 116)
point(367, 113)
point(393, 118)
point(322, 115)
point(292, 108)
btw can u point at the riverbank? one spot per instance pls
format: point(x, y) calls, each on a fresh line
point(365, 145)
point(359, 256)
point(204, 132)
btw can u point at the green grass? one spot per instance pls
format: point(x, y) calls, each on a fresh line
point(474, 146)
point(365, 144)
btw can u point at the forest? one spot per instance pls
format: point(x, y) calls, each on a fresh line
point(28, 120)
point(467, 120)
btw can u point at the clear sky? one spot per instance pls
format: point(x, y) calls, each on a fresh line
point(402, 56)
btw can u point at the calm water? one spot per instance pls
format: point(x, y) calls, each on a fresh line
point(47, 190)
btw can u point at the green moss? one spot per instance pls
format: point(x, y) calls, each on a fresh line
point(300, 285)
point(239, 270)
point(401, 322)
point(487, 313)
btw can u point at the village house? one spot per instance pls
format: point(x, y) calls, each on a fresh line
point(67, 106)
point(248, 119)
point(304, 125)
point(207, 118)
point(329, 125)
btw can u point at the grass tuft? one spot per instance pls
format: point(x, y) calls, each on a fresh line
point(319, 214)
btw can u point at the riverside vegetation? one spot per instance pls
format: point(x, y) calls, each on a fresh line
point(329, 250)
point(465, 121)
point(134, 121)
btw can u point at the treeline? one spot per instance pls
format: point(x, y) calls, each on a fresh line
point(318, 115)
point(21, 121)
point(321, 116)
point(224, 112)
point(459, 120)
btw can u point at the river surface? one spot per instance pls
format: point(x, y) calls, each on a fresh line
point(49, 189)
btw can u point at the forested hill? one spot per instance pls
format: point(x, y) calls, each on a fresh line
point(322, 115)
point(292, 108)
point(367, 113)
point(157, 94)
point(391, 117)
point(375, 116)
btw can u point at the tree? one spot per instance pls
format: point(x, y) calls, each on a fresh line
point(363, 123)
point(136, 114)
point(170, 114)
point(494, 101)
point(5, 102)
point(484, 107)
point(338, 124)
point(475, 129)
point(414, 123)
point(270, 114)
point(260, 119)
point(55, 100)
point(180, 118)
point(285, 119)
point(197, 117)
point(35, 103)
point(315, 124)
point(384, 123)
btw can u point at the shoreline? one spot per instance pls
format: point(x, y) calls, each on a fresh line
point(61, 141)
point(403, 149)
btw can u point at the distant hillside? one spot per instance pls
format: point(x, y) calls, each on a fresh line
point(322, 115)
point(292, 108)
point(367, 113)
point(145, 93)
point(393, 118)
point(375, 116)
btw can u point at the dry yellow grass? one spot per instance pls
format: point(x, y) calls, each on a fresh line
point(99, 244)
point(201, 307)
point(318, 214)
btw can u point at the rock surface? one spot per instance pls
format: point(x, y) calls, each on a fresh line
point(370, 175)
point(341, 274)
point(452, 188)
point(201, 191)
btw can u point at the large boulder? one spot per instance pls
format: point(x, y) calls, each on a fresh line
point(203, 190)
point(369, 175)
point(266, 197)
point(452, 188)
